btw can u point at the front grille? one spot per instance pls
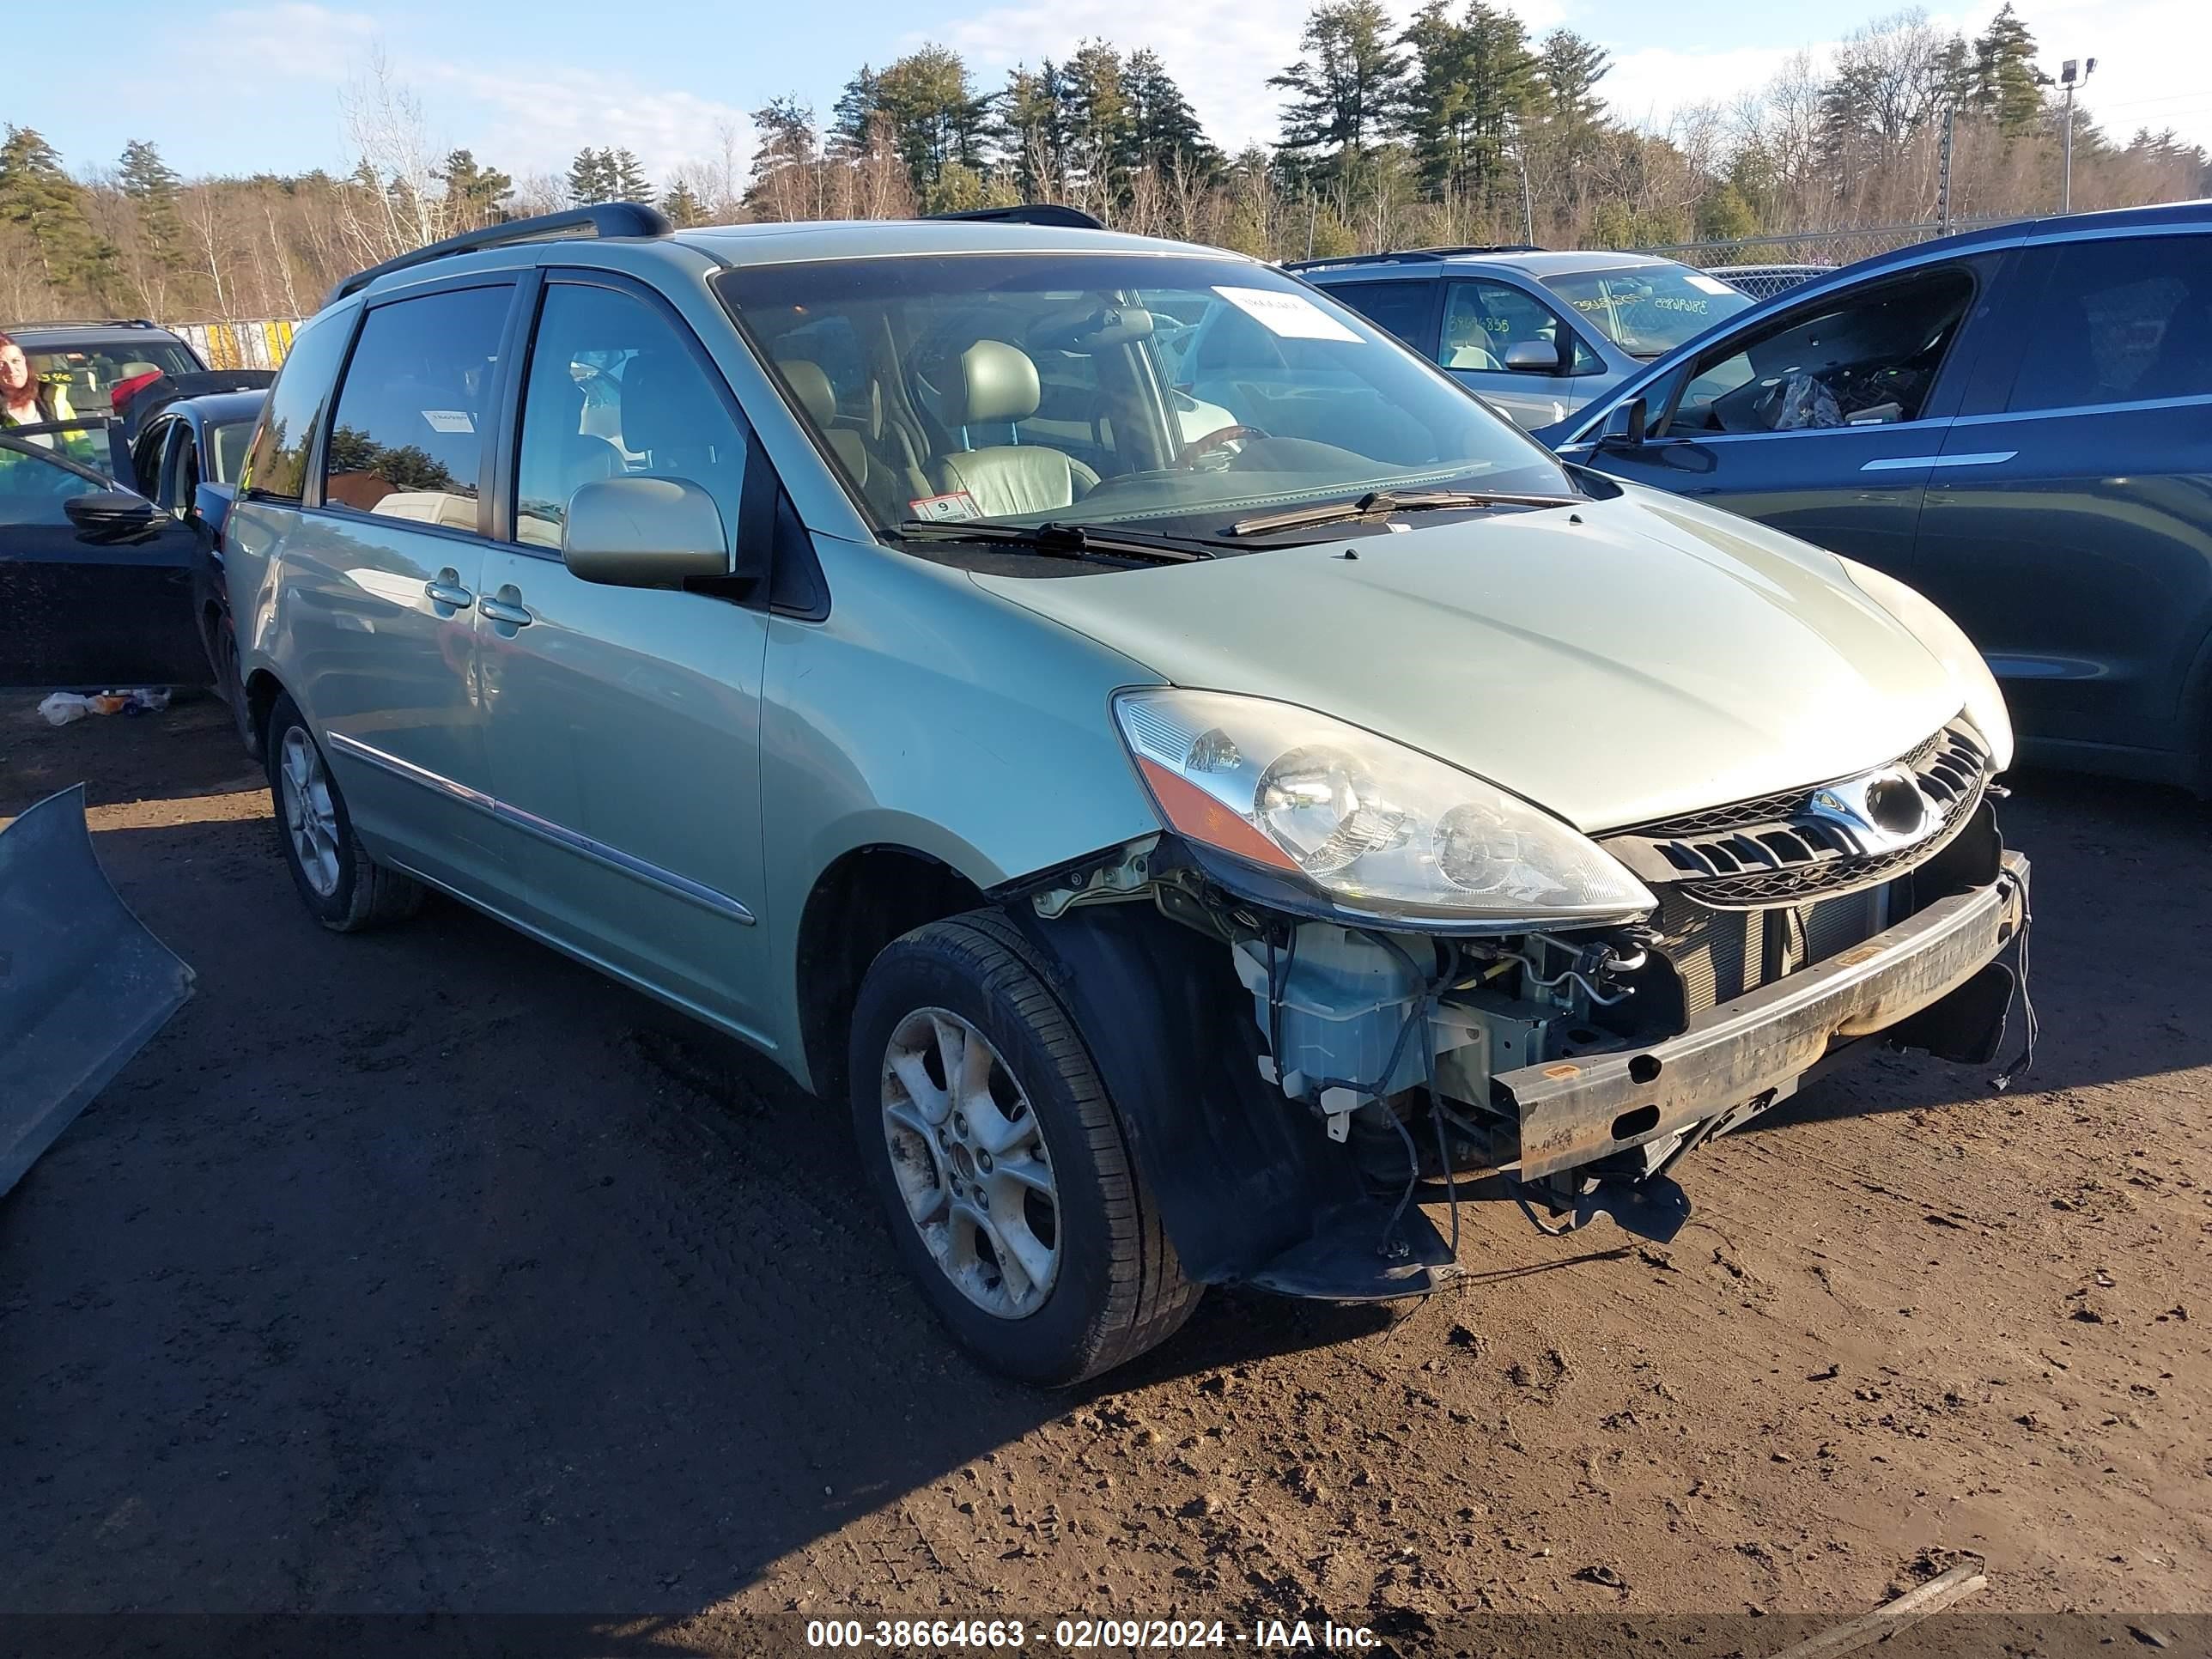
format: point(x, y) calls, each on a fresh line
point(1774, 850)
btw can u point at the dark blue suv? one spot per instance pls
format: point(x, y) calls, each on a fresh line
point(2018, 422)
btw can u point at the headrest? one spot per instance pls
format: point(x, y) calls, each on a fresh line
point(812, 389)
point(991, 381)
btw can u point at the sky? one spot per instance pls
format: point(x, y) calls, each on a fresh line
point(526, 83)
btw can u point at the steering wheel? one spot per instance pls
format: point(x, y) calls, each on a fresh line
point(1212, 440)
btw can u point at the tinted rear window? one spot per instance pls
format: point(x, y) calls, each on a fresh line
point(276, 465)
point(408, 438)
point(2125, 320)
point(1402, 308)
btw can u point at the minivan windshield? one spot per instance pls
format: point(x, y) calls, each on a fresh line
point(1166, 393)
point(1647, 310)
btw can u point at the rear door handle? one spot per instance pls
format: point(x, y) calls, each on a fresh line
point(506, 607)
point(444, 589)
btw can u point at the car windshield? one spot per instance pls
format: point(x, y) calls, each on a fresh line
point(1161, 392)
point(1647, 310)
point(87, 374)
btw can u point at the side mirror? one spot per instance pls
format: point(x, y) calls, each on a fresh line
point(1623, 426)
point(644, 533)
point(111, 514)
point(1532, 356)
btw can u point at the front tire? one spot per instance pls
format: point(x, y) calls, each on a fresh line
point(341, 886)
point(1001, 1161)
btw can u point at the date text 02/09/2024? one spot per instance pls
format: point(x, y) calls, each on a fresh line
point(1081, 1634)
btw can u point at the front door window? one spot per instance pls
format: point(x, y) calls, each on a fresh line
point(1869, 359)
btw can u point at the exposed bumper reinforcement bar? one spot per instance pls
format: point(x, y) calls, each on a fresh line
point(1573, 1112)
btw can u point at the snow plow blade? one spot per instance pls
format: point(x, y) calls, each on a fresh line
point(84, 985)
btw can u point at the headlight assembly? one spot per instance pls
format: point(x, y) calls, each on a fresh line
point(1377, 827)
point(1984, 703)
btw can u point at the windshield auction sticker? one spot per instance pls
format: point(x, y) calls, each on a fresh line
point(945, 509)
point(1290, 315)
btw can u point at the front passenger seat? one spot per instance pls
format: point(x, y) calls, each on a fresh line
point(992, 383)
point(809, 384)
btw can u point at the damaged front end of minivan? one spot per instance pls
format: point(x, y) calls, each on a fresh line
point(1347, 979)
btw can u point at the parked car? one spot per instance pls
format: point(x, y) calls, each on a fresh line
point(96, 582)
point(1170, 851)
point(186, 462)
point(1764, 282)
point(1538, 334)
point(92, 359)
point(2016, 421)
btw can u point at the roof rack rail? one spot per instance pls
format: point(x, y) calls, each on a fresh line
point(602, 219)
point(89, 322)
point(1029, 213)
point(1410, 255)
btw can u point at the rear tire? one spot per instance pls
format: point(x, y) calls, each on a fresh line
point(341, 886)
point(1061, 1286)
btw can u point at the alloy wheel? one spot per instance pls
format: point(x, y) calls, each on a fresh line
point(310, 819)
point(971, 1164)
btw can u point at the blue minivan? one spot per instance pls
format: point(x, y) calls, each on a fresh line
point(2017, 422)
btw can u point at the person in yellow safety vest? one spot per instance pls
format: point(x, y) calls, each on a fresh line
point(27, 398)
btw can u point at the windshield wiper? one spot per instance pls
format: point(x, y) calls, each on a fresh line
point(1381, 503)
point(1058, 540)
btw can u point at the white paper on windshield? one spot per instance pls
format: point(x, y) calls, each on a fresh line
point(449, 420)
point(1707, 284)
point(945, 509)
point(1290, 315)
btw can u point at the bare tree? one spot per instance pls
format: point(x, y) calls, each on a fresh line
point(401, 204)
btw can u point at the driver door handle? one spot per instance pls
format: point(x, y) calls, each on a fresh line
point(506, 607)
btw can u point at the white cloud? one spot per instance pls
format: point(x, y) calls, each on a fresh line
point(1646, 86)
point(319, 44)
point(533, 119)
point(530, 115)
point(2148, 56)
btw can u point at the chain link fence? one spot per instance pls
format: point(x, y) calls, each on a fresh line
point(1786, 258)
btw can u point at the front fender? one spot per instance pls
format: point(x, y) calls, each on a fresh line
point(928, 715)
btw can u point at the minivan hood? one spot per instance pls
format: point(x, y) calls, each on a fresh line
point(1619, 662)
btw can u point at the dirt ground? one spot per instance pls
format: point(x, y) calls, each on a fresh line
point(426, 1270)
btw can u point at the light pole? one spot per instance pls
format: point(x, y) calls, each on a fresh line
point(1528, 202)
point(2066, 79)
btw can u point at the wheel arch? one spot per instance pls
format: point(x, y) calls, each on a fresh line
point(862, 900)
point(263, 687)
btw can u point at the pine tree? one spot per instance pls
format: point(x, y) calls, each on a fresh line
point(1568, 68)
point(1165, 130)
point(1476, 80)
point(151, 188)
point(2007, 84)
point(1347, 93)
point(683, 206)
point(626, 179)
point(1031, 129)
point(474, 194)
point(1095, 116)
point(937, 118)
point(43, 200)
point(591, 177)
point(852, 120)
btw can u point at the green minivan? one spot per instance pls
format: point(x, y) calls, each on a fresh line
point(1202, 839)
